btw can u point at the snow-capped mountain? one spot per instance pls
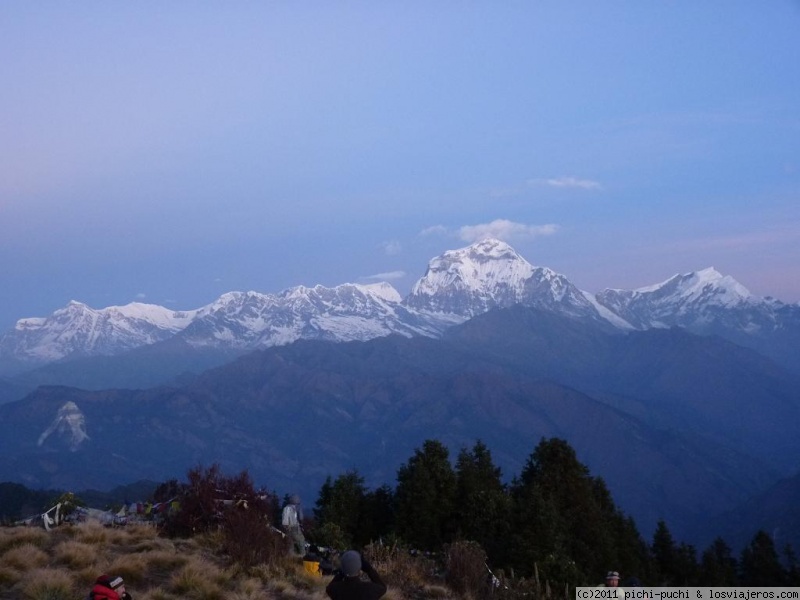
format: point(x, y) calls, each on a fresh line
point(702, 301)
point(348, 312)
point(78, 330)
point(457, 286)
point(490, 274)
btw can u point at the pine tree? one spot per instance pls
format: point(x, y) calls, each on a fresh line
point(379, 514)
point(483, 510)
point(425, 497)
point(718, 567)
point(665, 555)
point(342, 503)
point(565, 519)
point(760, 565)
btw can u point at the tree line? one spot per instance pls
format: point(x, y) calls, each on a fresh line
point(554, 517)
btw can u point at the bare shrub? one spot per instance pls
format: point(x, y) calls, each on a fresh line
point(48, 584)
point(466, 571)
point(25, 557)
point(400, 569)
point(249, 541)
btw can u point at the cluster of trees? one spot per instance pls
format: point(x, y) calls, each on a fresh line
point(554, 516)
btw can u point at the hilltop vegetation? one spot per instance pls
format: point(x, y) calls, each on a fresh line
point(441, 532)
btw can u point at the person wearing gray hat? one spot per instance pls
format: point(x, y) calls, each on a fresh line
point(347, 583)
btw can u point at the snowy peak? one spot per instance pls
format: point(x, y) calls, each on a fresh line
point(457, 285)
point(68, 428)
point(490, 274)
point(77, 329)
point(343, 313)
point(708, 285)
point(697, 300)
point(480, 267)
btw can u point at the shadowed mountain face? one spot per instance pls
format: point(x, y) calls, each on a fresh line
point(679, 426)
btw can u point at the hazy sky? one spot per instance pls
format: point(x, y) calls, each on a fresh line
point(168, 152)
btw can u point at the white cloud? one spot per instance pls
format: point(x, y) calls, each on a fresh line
point(141, 296)
point(392, 248)
point(434, 230)
point(573, 182)
point(504, 229)
point(388, 276)
point(501, 229)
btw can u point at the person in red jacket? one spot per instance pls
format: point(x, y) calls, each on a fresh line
point(346, 583)
point(109, 588)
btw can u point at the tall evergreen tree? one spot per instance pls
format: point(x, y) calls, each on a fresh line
point(342, 503)
point(687, 571)
point(718, 567)
point(566, 517)
point(665, 555)
point(483, 508)
point(760, 565)
point(425, 497)
point(379, 514)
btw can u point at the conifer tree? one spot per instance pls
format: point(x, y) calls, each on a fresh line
point(760, 565)
point(342, 503)
point(379, 517)
point(687, 571)
point(718, 567)
point(425, 497)
point(483, 509)
point(665, 553)
point(565, 519)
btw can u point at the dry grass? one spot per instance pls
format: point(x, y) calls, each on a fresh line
point(25, 557)
point(48, 584)
point(23, 535)
point(62, 565)
point(75, 554)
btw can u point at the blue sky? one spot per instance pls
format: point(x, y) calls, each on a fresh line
point(171, 152)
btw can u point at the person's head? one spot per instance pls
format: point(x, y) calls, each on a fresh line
point(351, 563)
point(115, 583)
point(612, 579)
point(295, 499)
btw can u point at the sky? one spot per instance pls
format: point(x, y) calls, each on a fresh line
point(168, 153)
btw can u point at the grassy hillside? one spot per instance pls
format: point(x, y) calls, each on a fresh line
point(62, 565)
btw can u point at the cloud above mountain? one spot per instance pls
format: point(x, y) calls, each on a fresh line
point(501, 229)
point(573, 182)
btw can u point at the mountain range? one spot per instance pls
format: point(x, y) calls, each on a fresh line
point(683, 396)
point(457, 286)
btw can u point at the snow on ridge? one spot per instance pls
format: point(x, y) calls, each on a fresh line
point(481, 267)
point(699, 285)
point(607, 314)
